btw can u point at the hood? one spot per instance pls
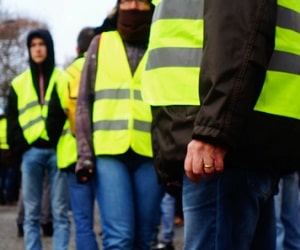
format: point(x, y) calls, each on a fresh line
point(49, 63)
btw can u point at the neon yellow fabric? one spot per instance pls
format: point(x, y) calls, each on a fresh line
point(155, 2)
point(180, 38)
point(120, 118)
point(31, 114)
point(74, 72)
point(3, 137)
point(280, 93)
point(66, 146)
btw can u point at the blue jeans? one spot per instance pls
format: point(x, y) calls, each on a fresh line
point(9, 183)
point(288, 213)
point(129, 199)
point(46, 213)
point(230, 211)
point(167, 218)
point(35, 162)
point(82, 200)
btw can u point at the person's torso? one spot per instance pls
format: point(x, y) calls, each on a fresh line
point(32, 114)
point(121, 119)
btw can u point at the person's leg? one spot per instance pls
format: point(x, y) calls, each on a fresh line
point(233, 210)
point(167, 218)
point(114, 193)
point(82, 200)
point(179, 220)
point(46, 213)
point(11, 183)
point(2, 185)
point(278, 211)
point(248, 199)
point(20, 216)
point(148, 195)
point(167, 208)
point(59, 203)
point(199, 208)
point(290, 212)
point(32, 184)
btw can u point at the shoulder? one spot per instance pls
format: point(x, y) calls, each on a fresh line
point(94, 43)
point(21, 77)
point(59, 74)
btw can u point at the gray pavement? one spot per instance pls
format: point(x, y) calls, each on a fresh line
point(10, 241)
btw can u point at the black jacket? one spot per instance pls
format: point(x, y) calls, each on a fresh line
point(239, 42)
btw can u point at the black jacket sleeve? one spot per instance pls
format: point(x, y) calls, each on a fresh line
point(238, 44)
point(15, 137)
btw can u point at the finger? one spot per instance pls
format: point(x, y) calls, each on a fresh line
point(219, 164)
point(188, 167)
point(208, 167)
point(188, 162)
point(197, 164)
point(219, 160)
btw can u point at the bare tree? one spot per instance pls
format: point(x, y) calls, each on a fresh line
point(13, 49)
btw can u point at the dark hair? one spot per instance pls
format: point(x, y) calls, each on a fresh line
point(84, 39)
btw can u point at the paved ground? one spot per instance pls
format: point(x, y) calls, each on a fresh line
point(10, 241)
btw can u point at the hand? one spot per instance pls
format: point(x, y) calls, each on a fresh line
point(203, 160)
point(84, 170)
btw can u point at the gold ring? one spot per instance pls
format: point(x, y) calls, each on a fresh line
point(208, 165)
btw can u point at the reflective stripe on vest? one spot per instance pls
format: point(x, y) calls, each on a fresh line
point(31, 114)
point(120, 118)
point(281, 90)
point(175, 50)
point(3, 137)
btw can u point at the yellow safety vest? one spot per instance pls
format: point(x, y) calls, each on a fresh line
point(66, 147)
point(281, 90)
point(32, 115)
point(3, 137)
point(156, 2)
point(120, 117)
point(66, 150)
point(74, 73)
point(171, 76)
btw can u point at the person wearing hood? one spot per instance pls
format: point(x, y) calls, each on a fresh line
point(113, 130)
point(27, 109)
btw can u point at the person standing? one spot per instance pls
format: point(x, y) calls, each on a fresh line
point(166, 227)
point(113, 130)
point(27, 109)
point(61, 128)
point(245, 134)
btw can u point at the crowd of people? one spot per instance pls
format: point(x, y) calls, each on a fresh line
point(171, 108)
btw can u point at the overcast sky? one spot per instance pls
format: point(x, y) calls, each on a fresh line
point(64, 17)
